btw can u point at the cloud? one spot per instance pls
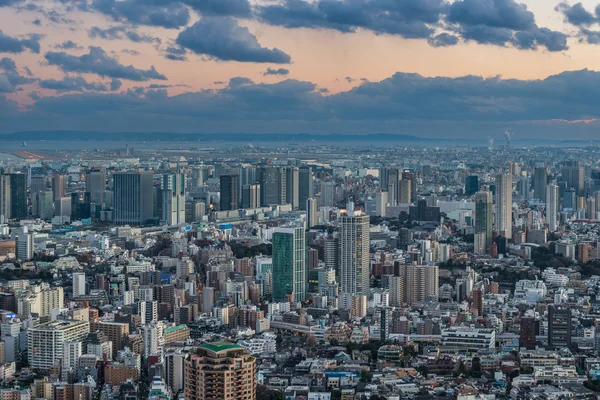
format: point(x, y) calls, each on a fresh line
point(236, 8)
point(9, 44)
point(98, 62)
point(239, 81)
point(276, 72)
point(10, 77)
point(73, 84)
point(443, 40)
point(502, 23)
point(121, 33)
point(69, 45)
point(223, 39)
point(409, 18)
point(131, 52)
point(165, 14)
point(576, 14)
point(175, 53)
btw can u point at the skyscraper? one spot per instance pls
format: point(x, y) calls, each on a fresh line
point(574, 176)
point(272, 186)
point(290, 271)
point(220, 371)
point(354, 256)
point(305, 186)
point(419, 282)
point(471, 185)
point(552, 207)
point(251, 196)
point(559, 326)
point(95, 183)
point(5, 209)
point(58, 186)
point(292, 187)
point(173, 199)
point(404, 191)
point(504, 205)
point(327, 194)
point(78, 284)
point(133, 197)
point(483, 216)
point(540, 180)
point(18, 195)
point(229, 192)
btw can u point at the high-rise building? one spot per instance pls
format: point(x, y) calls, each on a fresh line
point(570, 198)
point(552, 207)
point(419, 282)
point(18, 195)
point(45, 342)
point(95, 183)
point(273, 188)
point(396, 291)
point(504, 205)
point(311, 213)
point(173, 199)
point(381, 202)
point(354, 255)
point(410, 176)
point(38, 184)
point(5, 204)
point(251, 196)
point(559, 326)
point(471, 185)
point(540, 180)
point(133, 197)
point(59, 187)
point(229, 192)
point(327, 194)
point(148, 310)
point(117, 333)
point(527, 334)
point(78, 284)
point(292, 187)
point(220, 371)
point(484, 218)
point(332, 254)
point(404, 191)
point(290, 271)
point(574, 177)
point(305, 186)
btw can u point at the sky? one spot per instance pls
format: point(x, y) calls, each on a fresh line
point(428, 68)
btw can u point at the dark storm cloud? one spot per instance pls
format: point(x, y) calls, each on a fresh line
point(73, 84)
point(121, 33)
point(221, 38)
point(276, 72)
point(443, 40)
point(9, 44)
point(98, 62)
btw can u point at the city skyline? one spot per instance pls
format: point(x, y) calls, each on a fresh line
point(435, 68)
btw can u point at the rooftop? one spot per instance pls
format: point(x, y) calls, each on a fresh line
point(221, 346)
point(175, 328)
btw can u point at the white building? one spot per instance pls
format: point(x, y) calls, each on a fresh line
point(46, 342)
point(469, 338)
point(78, 284)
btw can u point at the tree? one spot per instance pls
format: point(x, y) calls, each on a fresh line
point(264, 393)
point(365, 376)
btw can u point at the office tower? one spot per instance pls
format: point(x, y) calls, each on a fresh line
point(559, 326)
point(552, 207)
point(574, 176)
point(305, 186)
point(390, 184)
point(18, 195)
point(514, 168)
point(80, 206)
point(540, 180)
point(148, 310)
point(292, 187)
point(404, 191)
point(173, 199)
point(527, 334)
point(198, 179)
point(5, 204)
point(312, 213)
point(327, 194)
point(381, 202)
point(251, 196)
point(95, 184)
point(590, 210)
point(471, 185)
point(332, 254)
point(570, 199)
point(290, 273)
point(38, 184)
point(78, 284)
point(409, 176)
point(419, 282)
point(483, 216)
point(272, 186)
point(229, 192)
point(354, 255)
point(25, 243)
point(45, 342)
point(208, 299)
point(504, 205)
point(523, 185)
point(220, 371)
point(43, 204)
point(62, 207)
point(133, 197)
point(59, 186)
point(479, 243)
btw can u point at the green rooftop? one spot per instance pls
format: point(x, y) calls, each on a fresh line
point(175, 328)
point(221, 346)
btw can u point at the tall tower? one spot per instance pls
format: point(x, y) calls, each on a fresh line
point(540, 180)
point(229, 195)
point(290, 271)
point(5, 196)
point(133, 197)
point(272, 185)
point(354, 256)
point(58, 187)
point(504, 205)
point(18, 195)
point(483, 216)
point(292, 186)
point(95, 181)
point(311, 213)
point(251, 196)
point(559, 326)
point(552, 207)
point(78, 284)
point(305, 186)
